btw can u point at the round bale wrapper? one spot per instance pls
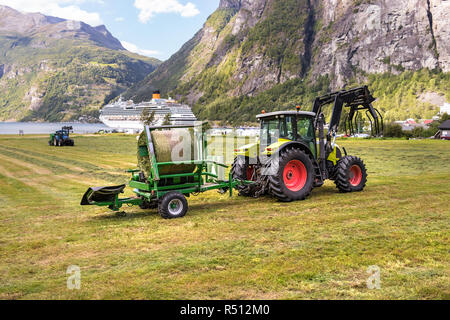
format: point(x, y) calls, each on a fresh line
point(170, 146)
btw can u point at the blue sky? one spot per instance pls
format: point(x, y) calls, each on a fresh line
point(156, 28)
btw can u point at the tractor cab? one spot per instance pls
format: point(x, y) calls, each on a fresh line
point(64, 134)
point(278, 128)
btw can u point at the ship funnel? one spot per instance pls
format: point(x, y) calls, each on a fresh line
point(156, 95)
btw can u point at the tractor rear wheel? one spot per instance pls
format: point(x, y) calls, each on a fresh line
point(173, 205)
point(291, 176)
point(243, 170)
point(351, 174)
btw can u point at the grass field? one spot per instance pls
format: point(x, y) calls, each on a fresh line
point(224, 248)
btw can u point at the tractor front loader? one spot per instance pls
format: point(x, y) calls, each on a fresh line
point(294, 155)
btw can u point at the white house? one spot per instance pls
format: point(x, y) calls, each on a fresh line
point(445, 108)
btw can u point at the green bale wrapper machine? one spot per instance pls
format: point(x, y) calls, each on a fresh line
point(162, 183)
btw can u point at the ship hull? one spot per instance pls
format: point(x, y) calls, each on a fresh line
point(122, 124)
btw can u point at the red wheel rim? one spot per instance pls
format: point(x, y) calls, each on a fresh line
point(355, 175)
point(295, 175)
point(250, 171)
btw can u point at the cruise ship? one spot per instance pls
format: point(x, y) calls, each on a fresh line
point(127, 114)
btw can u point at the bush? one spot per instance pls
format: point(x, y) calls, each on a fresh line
point(393, 130)
point(418, 132)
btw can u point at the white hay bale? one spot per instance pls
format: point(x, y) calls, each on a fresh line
point(170, 146)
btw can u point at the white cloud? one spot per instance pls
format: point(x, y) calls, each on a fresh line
point(149, 8)
point(119, 19)
point(134, 48)
point(66, 9)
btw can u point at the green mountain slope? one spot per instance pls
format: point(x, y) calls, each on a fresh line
point(274, 54)
point(58, 70)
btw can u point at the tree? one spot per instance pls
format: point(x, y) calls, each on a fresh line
point(147, 118)
point(167, 121)
point(444, 118)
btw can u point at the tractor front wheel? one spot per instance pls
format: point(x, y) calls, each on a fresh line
point(291, 177)
point(351, 174)
point(173, 205)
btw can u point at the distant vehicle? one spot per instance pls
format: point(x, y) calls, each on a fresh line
point(361, 135)
point(61, 138)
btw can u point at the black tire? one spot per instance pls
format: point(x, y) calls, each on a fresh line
point(173, 205)
point(278, 182)
point(240, 171)
point(351, 174)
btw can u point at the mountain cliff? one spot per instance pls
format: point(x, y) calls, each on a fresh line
point(273, 54)
point(58, 70)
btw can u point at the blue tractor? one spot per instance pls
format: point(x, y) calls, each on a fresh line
point(61, 138)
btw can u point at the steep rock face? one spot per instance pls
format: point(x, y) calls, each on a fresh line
point(440, 15)
point(232, 4)
point(384, 36)
point(248, 47)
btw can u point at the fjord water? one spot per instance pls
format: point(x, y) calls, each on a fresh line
point(44, 128)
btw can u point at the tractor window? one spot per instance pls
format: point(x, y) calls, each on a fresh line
point(305, 129)
point(286, 127)
point(270, 131)
point(273, 129)
point(283, 128)
point(289, 133)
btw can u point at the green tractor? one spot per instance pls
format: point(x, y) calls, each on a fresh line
point(61, 138)
point(293, 156)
